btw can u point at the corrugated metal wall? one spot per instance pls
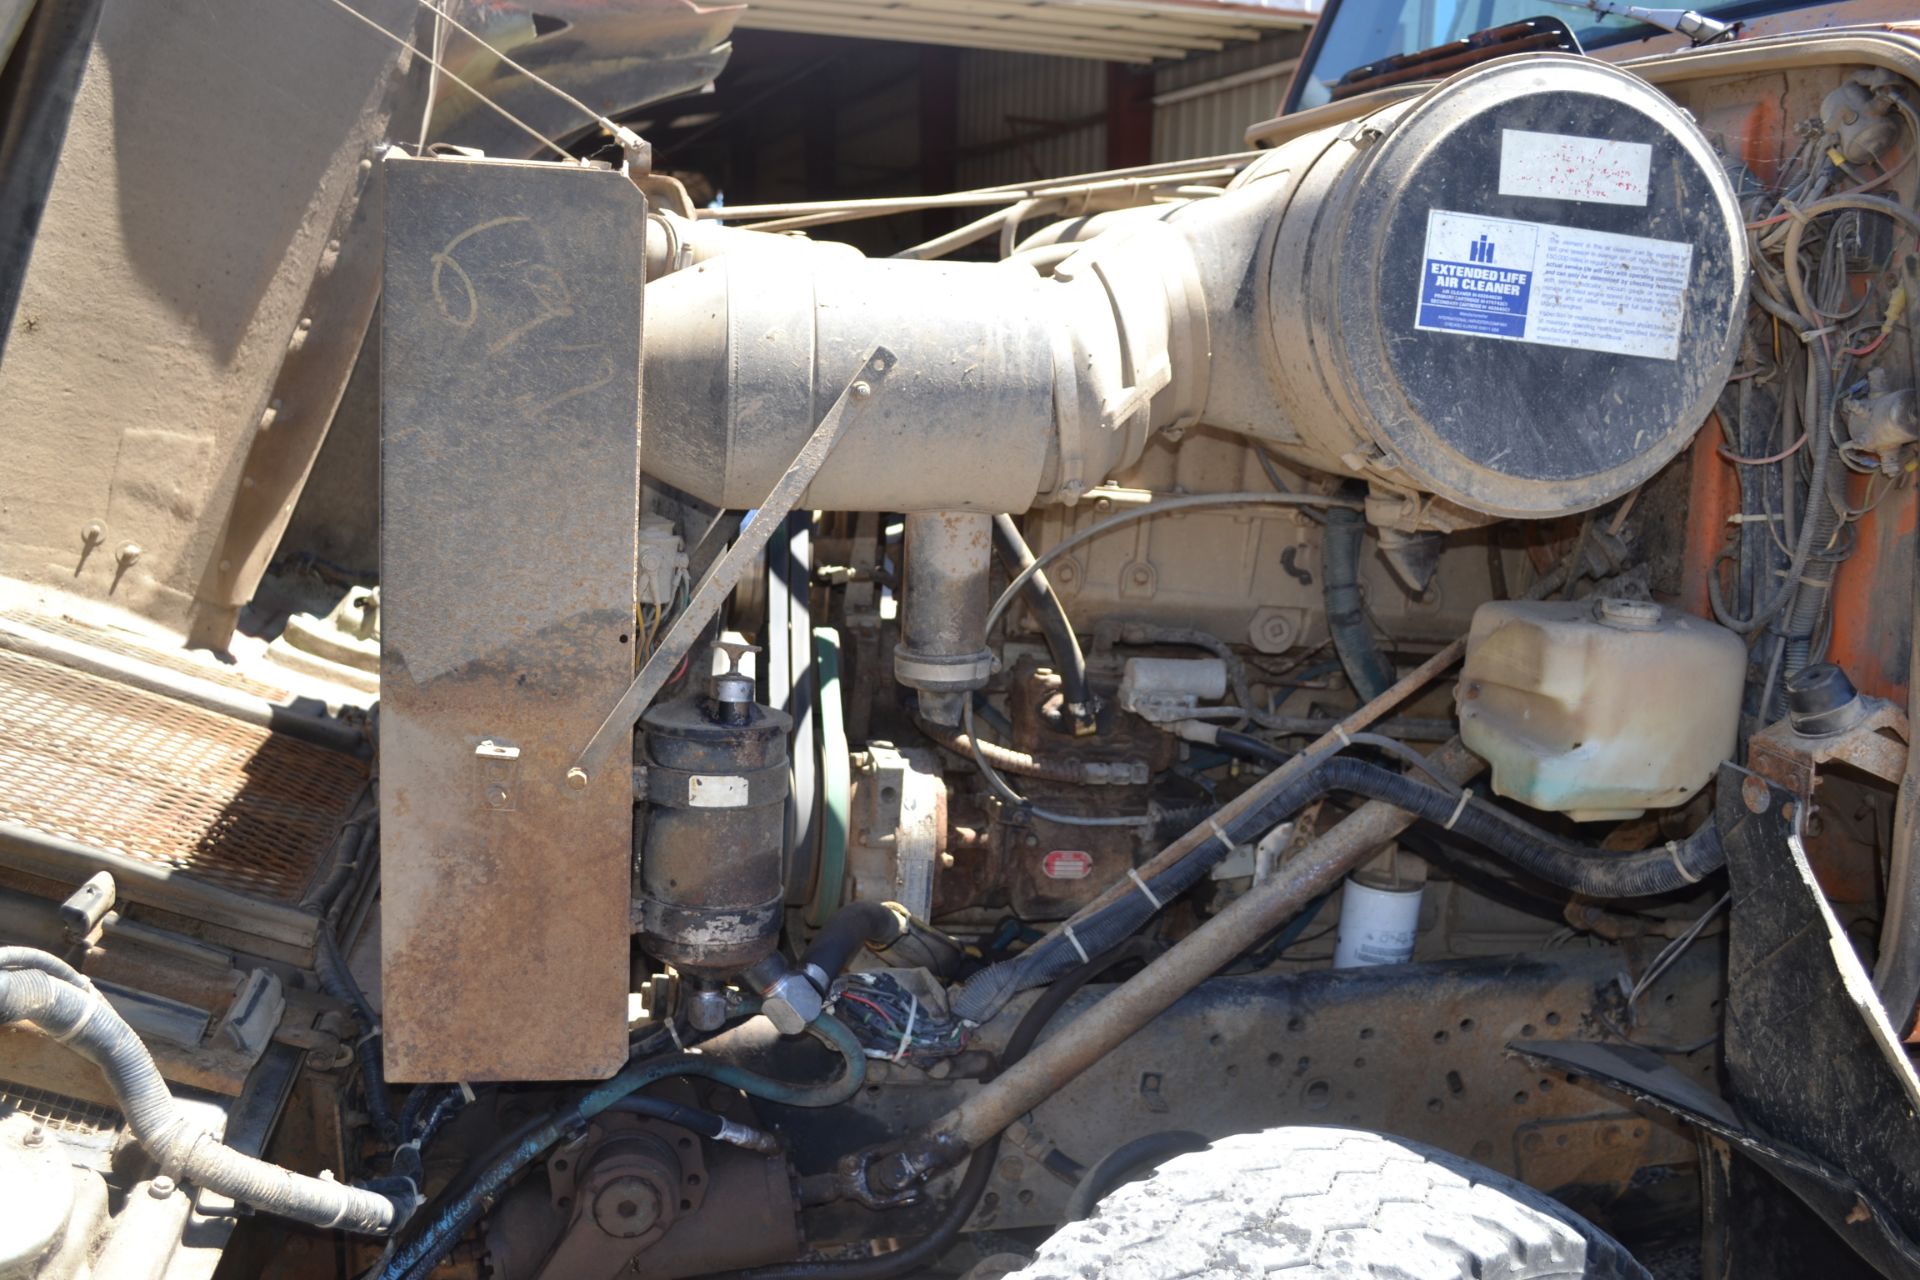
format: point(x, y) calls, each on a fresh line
point(1027, 116)
point(1203, 105)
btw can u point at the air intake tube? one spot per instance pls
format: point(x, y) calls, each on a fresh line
point(1519, 293)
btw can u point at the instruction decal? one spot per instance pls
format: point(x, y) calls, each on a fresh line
point(1552, 285)
point(1560, 166)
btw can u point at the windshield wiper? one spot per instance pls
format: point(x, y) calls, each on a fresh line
point(1697, 27)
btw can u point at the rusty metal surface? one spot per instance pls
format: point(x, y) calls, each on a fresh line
point(174, 660)
point(1419, 1051)
point(509, 494)
point(101, 764)
point(1876, 745)
point(1794, 981)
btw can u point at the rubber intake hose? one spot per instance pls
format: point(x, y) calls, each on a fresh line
point(1353, 640)
point(1055, 627)
point(88, 1025)
point(853, 926)
point(447, 1223)
point(1596, 873)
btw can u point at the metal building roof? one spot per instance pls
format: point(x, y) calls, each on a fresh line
point(1114, 30)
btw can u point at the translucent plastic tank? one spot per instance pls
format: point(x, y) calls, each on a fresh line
point(1599, 709)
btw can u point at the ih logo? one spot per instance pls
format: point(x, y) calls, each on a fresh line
point(1480, 250)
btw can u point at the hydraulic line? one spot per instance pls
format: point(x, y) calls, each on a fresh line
point(1595, 873)
point(82, 1020)
point(1073, 1048)
point(1051, 616)
point(966, 1197)
point(447, 1223)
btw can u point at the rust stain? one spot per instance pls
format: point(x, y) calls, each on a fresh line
point(1713, 494)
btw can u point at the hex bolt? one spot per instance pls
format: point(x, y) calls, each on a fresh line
point(497, 796)
point(161, 1187)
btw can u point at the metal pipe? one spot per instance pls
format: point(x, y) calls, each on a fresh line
point(943, 642)
point(1088, 1038)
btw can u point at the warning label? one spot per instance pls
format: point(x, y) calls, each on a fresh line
point(1558, 286)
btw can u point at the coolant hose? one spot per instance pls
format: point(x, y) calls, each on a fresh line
point(1595, 873)
point(88, 1025)
point(1353, 640)
point(413, 1260)
point(852, 927)
point(1054, 625)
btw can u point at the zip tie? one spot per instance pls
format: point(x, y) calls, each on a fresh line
point(1219, 833)
point(1071, 937)
point(466, 1091)
point(93, 1007)
point(1673, 852)
point(906, 1033)
point(673, 1034)
point(1458, 809)
point(1134, 875)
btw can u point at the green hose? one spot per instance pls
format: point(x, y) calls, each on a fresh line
point(836, 779)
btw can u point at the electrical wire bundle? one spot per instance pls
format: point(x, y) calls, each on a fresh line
point(1827, 244)
point(891, 1022)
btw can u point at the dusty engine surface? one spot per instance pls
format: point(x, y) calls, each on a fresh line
point(875, 756)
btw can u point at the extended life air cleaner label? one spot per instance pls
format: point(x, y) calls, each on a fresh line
point(1557, 286)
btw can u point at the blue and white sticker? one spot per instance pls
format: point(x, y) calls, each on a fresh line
point(1552, 285)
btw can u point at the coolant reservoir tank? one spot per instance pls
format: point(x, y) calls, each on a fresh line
point(1601, 708)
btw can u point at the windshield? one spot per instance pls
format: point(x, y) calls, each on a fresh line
point(1364, 31)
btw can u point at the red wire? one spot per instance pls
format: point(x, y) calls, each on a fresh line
point(860, 999)
point(1871, 347)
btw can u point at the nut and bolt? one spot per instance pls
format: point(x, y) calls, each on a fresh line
point(497, 796)
point(861, 390)
point(35, 1137)
point(627, 1207)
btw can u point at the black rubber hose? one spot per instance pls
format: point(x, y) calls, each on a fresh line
point(1595, 873)
point(1125, 1163)
point(851, 928)
point(698, 1120)
point(1051, 615)
point(337, 980)
point(1367, 668)
point(973, 1183)
point(88, 1025)
point(1250, 747)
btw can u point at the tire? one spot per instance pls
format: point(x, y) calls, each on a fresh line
point(1307, 1203)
